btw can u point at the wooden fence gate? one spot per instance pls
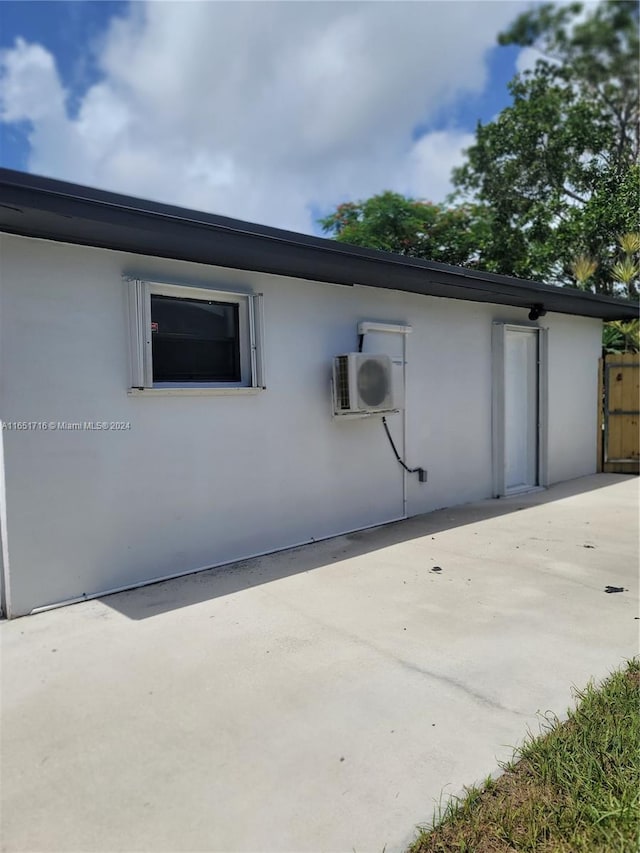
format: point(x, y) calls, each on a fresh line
point(619, 413)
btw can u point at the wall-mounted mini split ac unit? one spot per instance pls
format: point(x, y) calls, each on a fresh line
point(362, 384)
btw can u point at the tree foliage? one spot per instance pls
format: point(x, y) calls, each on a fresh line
point(558, 168)
point(617, 335)
point(553, 178)
point(624, 267)
point(407, 226)
point(620, 336)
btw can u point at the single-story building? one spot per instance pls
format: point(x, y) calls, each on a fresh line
point(181, 390)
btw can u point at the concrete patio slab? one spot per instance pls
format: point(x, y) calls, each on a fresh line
point(320, 699)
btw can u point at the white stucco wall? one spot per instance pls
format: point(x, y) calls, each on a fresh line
point(202, 480)
point(575, 345)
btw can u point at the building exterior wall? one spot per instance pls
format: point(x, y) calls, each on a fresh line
point(202, 480)
point(575, 345)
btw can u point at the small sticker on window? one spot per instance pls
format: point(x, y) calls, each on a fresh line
point(154, 327)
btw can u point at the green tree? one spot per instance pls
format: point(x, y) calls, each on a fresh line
point(617, 335)
point(558, 168)
point(408, 226)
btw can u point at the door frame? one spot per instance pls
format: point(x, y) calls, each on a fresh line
point(498, 336)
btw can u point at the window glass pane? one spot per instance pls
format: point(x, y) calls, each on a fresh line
point(194, 340)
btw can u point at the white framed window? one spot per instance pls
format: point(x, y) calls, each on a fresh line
point(194, 338)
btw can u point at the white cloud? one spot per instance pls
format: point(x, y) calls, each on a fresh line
point(527, 59)
point(260, 110)
point(31, 87)
point(431, 161)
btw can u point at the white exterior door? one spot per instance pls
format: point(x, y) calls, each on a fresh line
point(521, 409)
point(518, 406)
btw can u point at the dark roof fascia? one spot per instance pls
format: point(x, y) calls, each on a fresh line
point(42, 207)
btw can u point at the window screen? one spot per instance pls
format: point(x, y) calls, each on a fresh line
point(194, 340)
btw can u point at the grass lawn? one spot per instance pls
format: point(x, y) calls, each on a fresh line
point(574, 789)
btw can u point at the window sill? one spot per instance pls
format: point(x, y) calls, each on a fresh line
point(193, 392)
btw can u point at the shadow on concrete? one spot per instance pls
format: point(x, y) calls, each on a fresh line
point(163, 596)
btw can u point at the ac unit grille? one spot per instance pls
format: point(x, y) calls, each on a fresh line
point(342, 382)
point(362, 384)
point(373, 383)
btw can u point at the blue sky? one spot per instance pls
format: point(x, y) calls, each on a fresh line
point(77, 84)
point(69, 30)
